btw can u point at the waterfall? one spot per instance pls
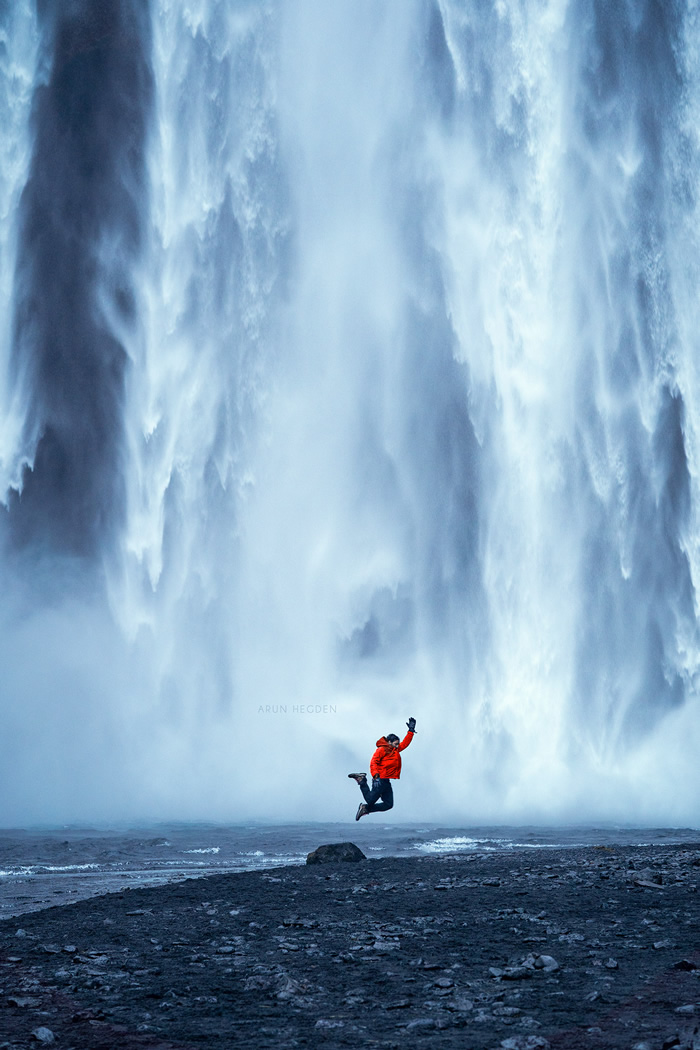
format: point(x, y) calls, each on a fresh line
point(350, 374)
point(18, 61)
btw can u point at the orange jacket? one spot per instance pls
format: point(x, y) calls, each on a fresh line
point(386, 760)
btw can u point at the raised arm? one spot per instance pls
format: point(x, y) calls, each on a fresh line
point(409, 735)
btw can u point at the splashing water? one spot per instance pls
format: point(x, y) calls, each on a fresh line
point(352, 375)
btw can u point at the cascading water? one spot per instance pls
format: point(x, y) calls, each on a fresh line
point(18, 59)
point(350, 373)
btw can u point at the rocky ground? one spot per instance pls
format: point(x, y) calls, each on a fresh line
point(595, 948)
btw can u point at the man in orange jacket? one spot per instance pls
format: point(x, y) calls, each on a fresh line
point(384, 767)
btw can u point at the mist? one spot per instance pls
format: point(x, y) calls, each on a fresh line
point(349, 372)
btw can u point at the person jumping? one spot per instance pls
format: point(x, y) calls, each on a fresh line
point(385, 766)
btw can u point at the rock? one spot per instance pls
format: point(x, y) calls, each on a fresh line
point(258, 982)
point(525, 1042)
point(647, 878)
point(44, 1035)
point(460, 1003)
point(444, 982)
point(516, 973)
point(530, 964)
point(546, 962)
point(422, 1022)
point(334, 853)
point(288, 989)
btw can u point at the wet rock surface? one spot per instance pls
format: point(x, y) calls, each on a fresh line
point(522, 950)
point(335, 852)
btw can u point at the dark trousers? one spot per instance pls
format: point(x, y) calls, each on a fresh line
point(380, 789)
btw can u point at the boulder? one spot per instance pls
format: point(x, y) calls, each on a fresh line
point(334, 853)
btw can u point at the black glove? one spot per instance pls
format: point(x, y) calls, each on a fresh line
point(411, 725)
point(375, 779)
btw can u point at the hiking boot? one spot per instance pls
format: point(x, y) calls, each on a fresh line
point(362, 811)
point(359, 777)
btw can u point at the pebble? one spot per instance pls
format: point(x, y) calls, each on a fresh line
point(461, 1003)
point(422, 1022)
point(547, 963)
point(525, 1042)
point(517, 973)
point(44, 1035)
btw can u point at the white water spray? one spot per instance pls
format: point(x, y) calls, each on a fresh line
point(411, 418)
